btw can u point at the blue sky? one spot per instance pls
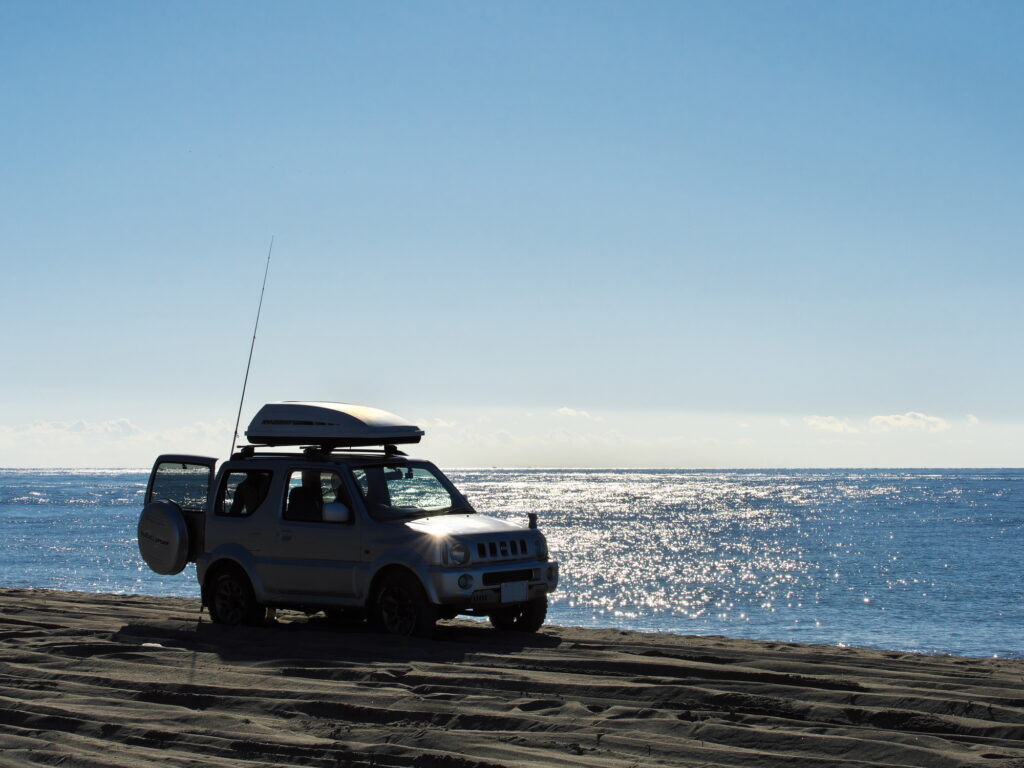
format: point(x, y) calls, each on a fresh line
point(599, 234)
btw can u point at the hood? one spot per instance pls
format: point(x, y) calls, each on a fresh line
point(452, 525)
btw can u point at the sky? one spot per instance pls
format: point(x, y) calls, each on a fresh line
point(573, 234)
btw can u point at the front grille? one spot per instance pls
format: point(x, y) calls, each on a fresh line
point(501, 577)
point(501, 549)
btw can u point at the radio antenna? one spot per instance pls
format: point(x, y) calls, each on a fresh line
point(245, 382)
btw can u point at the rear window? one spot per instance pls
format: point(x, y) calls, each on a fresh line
point(187, 485)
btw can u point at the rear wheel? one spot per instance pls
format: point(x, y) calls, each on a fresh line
point(524, 617)
point(232, 600)
point(401, 607)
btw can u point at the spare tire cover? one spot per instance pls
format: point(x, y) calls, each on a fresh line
point(163, 537)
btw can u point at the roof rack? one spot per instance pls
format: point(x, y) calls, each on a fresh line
point(316, 452)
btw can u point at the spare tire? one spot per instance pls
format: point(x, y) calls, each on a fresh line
point(163, 537)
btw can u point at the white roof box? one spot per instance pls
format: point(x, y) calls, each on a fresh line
point(328, 424)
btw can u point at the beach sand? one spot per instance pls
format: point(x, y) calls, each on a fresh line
point(115, 680)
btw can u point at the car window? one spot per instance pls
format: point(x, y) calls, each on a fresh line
point(242, 493)
point(393, 491)
point(362, 483)
point(309, 490)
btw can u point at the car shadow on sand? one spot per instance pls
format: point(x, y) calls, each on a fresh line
point(288, 640)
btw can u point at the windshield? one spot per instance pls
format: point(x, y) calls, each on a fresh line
point(407, 490)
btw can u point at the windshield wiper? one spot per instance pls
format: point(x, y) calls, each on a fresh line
point(458, 511)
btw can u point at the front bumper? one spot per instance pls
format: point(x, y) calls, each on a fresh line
point(493, 584)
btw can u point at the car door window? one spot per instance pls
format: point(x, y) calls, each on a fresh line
point(309, 490)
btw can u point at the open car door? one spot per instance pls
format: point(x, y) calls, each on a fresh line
point(173, 520)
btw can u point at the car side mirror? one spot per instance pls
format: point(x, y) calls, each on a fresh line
point(336, 512)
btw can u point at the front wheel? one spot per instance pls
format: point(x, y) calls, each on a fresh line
point(232, 600)
point(402, 608)
point(525, 617)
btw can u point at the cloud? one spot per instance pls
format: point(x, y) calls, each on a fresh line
point(910, 421)
point(972, 419)
point(829, 424)
point(436, 422)
point(114, 442)
point(574, 413)
point(46, 430)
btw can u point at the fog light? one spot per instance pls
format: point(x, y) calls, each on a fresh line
point(465, 581)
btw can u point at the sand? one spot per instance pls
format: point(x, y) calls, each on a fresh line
point(115, 680)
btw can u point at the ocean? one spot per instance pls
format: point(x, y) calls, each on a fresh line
point(914, 560)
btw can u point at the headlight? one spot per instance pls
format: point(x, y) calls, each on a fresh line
point(542, 548)
point(458, 553)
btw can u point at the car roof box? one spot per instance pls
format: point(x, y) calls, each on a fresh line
point(333, 425)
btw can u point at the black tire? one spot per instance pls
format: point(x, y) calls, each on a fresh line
point(231, 599)
point(401, 607)
point(525, 617)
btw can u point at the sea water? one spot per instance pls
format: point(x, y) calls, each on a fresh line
point(921, 560)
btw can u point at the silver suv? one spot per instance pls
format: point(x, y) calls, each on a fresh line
point(340, 527)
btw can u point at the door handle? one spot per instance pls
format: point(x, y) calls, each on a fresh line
point(285, 535)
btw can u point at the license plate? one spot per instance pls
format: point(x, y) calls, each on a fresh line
point(513, 592)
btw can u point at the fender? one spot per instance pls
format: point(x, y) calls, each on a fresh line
point(400, 556)
point(241, 557)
